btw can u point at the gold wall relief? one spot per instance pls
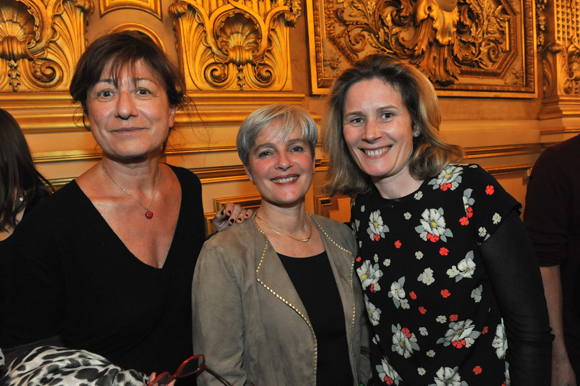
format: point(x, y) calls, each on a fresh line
point(235, 45)
point(560, 61)
point(465, 47)
point(150, 6)
point(40, 43)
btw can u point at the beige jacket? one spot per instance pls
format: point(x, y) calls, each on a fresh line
point(248, 319)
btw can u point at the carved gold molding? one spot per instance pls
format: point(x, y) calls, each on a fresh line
point(141, 28)
point(235, 45)
point(40, 43)
point(150, 6)
point(465, 47)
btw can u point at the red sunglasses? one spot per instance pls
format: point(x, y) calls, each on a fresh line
point(191, 366)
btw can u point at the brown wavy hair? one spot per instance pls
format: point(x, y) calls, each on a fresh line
point(430, 152)
point(20, 179)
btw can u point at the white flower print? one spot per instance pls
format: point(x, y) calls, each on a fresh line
point(500, 343)
point(397, 292)
point(460, 334)
point(448, 179)
point(405, 304)
point(496, 219)
point(423, 331)
point(508, 380)
point(433, 226)
point(362, 209)
point(446, 376)
point(473, 166)
point(441, 319)
point(376, 339)
point(482, 232)
point(376, 228)
point(360, 244)
point(369, 276)
point(430, 353)
point(387, 262)
point(374, 312)
point(355, 225)
point(404, 342)
point(465, 268)
point(418, 195)
point(376, 258)
point(419, 255)
point(467, 200)
point(427, 276)
point(387, 373)
point(407, 216)
point(421, 371)
point(476, 293)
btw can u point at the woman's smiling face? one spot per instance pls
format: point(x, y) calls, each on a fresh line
point(281, 168)
point(378, 130)
point(130, 119)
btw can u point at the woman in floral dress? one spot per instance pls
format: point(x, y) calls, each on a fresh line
point(451, 284)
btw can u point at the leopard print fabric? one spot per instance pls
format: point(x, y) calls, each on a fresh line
point(58, 366)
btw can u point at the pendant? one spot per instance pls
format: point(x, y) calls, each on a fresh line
point(149, 214)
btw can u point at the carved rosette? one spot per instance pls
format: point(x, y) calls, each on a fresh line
point(235, 45)
point(40, 43)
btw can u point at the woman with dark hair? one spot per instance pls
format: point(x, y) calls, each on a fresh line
point(21, 185)
point(452, 286)
point(114, 251)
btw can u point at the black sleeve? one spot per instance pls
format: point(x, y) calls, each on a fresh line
point(517, 284)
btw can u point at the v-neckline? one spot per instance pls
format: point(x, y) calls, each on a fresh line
point(114, 235)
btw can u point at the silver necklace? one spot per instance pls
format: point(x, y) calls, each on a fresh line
point(148, 212)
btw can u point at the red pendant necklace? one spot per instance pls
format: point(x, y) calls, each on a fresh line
point(148, 212)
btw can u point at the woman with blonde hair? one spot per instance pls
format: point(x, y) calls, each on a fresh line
point(450, 280)
point(275, 300)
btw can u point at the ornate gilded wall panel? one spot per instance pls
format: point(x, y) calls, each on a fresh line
point(150, 6)
point(40, 43)
point(465, 47)
point(235, 45)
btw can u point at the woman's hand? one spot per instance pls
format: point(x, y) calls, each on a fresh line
point(230, 214)
point(151, 377)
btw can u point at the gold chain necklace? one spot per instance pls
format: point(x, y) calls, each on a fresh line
point(284, 234)
point(148, 213)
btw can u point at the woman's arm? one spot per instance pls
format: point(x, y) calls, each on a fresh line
point(509, 258)
point(218, 324)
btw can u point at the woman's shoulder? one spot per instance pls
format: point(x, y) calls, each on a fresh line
point(185, 176)
point(336, 231)
point(235, 237)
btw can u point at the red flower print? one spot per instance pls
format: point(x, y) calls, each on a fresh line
point(388, 380)
point(445, 293)
point(489, 190)
point(432, 238)
point(469, 212)
point(454, 317)
point(397, 244)
point(377, 237)
point(446, 186)
point(358, 259)
point(485, 330)
point(464, 221)
point(477, 370)
point(373, 288)
point(444, 251)
point(458, 343)
point(406, 331)
point(413, 295)
point(422, 310)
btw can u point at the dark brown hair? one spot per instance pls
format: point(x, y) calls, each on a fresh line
point(19, 179)
point(123, 50)
point(430, 152)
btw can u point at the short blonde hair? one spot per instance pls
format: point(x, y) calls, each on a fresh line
point(430, 152)
point(289, 118)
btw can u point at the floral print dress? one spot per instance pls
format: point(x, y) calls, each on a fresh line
point(434, 317)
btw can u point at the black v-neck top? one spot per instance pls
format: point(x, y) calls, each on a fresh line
point(71, 275)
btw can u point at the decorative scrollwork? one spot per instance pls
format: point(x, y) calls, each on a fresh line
point(40, 42)
point(442, 37)
point(235, 44)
